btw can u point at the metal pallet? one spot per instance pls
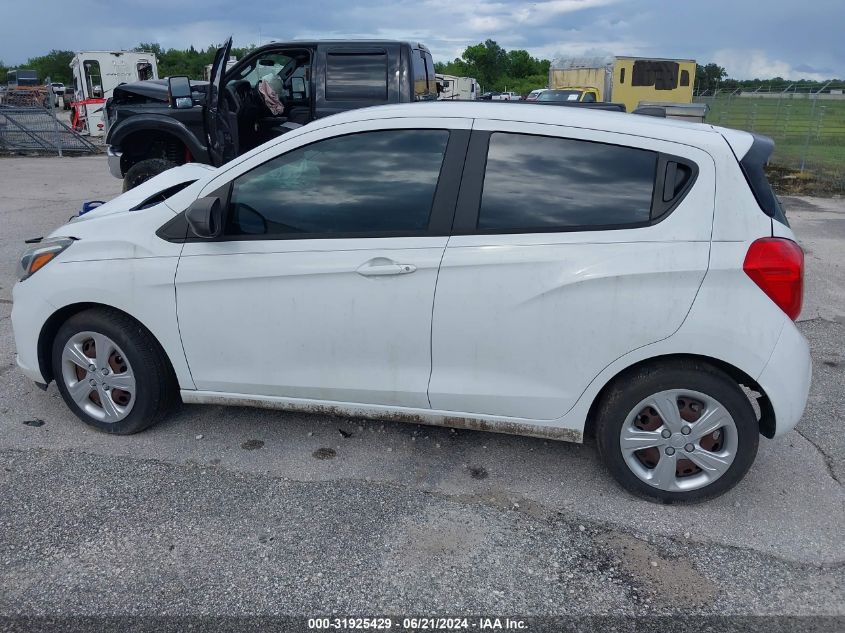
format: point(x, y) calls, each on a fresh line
point(36, 129)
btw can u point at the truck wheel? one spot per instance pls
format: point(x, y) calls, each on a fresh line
point(677, 431)
point(143, 170)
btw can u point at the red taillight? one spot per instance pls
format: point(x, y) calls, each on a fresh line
point(776, 264)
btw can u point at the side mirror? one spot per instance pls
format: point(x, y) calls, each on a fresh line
point(179, 92)
point(205, 217)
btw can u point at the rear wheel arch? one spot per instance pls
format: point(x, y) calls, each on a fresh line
point(52, 325)
point(766, 411)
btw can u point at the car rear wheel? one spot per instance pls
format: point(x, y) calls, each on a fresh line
point(679, 431)
point(111, 372)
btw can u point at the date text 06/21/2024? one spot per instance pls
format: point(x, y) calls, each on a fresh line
point(417, 624)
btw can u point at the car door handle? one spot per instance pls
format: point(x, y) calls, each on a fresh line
point(381, 266)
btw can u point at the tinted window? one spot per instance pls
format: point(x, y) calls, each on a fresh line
point(372, 182)
point(418, 66)
point(431, 86)
point(423, 69)
point(685, 78)
point(539, 182)
point(356, 77)
point(661, 75)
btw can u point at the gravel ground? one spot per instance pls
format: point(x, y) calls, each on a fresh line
point(240, 512)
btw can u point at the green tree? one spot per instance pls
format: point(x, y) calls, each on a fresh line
point(188, 62)
point(519, 63)
point(55, 65)
point(709, 77)
point(487, 60)
point(498, 69)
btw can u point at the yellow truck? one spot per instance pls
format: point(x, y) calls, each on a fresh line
point(628, 80)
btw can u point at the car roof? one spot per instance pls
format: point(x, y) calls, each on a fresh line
point(516, 111)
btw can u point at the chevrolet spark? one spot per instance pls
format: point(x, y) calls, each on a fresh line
point(540, 271)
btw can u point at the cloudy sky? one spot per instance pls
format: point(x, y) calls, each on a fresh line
point(750, 38)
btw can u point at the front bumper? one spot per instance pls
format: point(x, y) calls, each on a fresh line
point(786, 378)
point(29, 314)
point(113, 157)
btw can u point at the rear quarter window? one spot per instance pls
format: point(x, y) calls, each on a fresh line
point(547, 183)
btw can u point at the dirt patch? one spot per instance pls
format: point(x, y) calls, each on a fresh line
point(477, 472)
point(251, 445)
point(787, 181)
point(324, 453)
point(671, 581)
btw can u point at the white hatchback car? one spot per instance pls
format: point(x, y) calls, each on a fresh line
point(540, 271)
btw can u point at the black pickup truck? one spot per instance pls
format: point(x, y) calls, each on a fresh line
point(154, 125)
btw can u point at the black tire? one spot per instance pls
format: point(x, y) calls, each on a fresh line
point(143, 170)
point(635, 386)
point(155, 383)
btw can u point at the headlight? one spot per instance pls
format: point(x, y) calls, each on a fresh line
point(41, 254)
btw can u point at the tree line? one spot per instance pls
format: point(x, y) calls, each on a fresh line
point(172, 62)
point(495, 68)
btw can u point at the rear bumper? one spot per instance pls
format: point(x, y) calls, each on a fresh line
point(113, 157)
point(786, 378)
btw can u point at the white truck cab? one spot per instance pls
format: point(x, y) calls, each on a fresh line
point(96, 74)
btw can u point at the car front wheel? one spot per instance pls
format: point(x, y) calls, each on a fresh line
point(111, 372)
point(680, 431)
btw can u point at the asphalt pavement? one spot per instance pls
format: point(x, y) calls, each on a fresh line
point(244, 512)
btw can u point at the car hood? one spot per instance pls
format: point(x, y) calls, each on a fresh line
point(152, 89)
point(135, 198)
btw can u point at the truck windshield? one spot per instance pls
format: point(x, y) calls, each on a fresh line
point(560, 95)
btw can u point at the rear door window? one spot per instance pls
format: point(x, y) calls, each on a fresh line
point(541, 183)
point(356, 76)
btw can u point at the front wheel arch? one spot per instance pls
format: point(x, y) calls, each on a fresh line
point(766, 415)
point(51, 328)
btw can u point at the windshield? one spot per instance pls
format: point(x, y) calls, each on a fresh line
point(559, 95)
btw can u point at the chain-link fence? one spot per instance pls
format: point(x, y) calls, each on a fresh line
point(808, 129)
point(29, 123)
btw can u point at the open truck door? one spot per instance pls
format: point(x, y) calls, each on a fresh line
point(221, 144)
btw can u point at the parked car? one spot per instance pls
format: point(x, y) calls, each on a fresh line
point(487, 96)
point(506, 96)
point(578, 96)
point(532, 96)
point(595, 272)
point(152, 126)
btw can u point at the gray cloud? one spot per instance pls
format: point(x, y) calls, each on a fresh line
point(749, 38)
